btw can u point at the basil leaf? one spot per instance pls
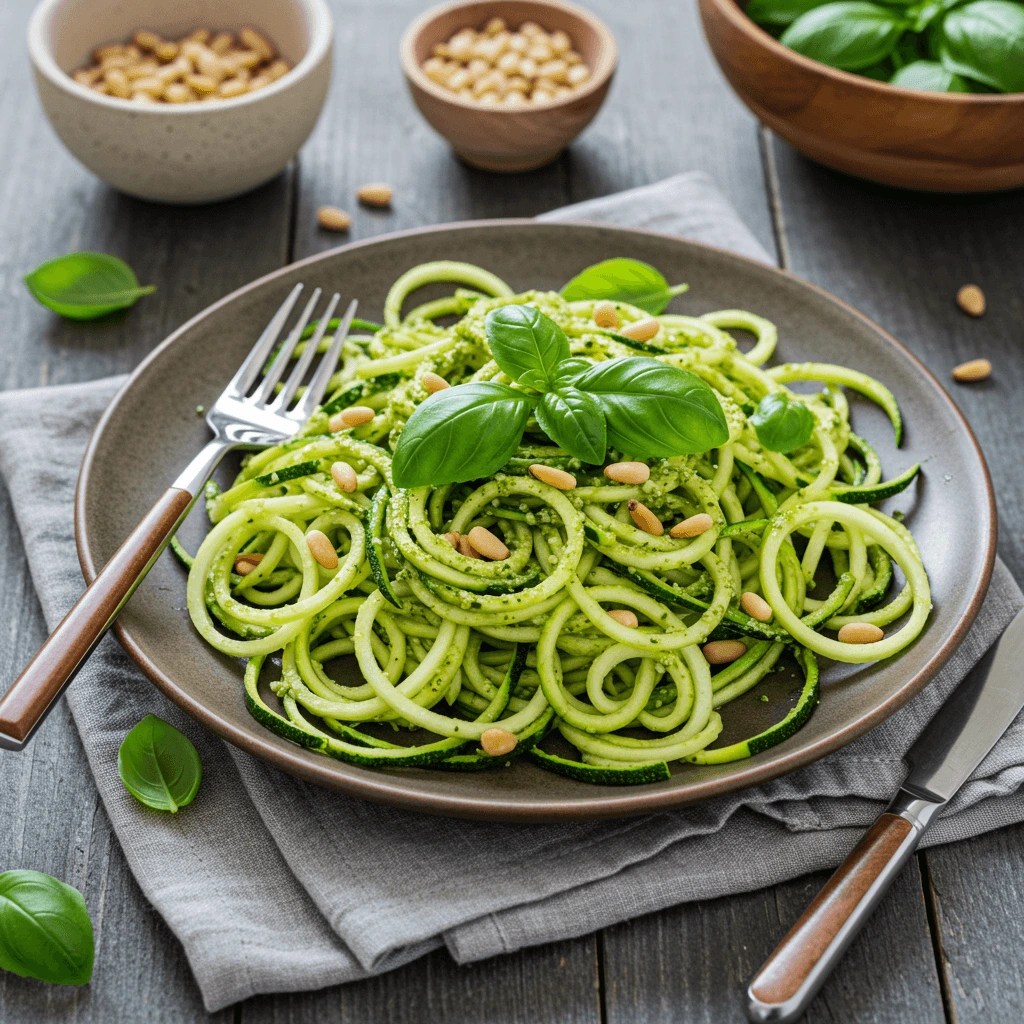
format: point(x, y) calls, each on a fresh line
point(574, 421)
point(922, 14)
point(159, 766)
point(526, 344)
point(45, 931)
point(85, 285)
point(623, 280)
point(459, 434)
point(849, 35)
point(985, 40)
point(653, 410)
point(782, 424)
point(780, 12)
point(929, 75)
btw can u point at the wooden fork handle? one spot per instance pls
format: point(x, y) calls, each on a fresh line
point(789, 979)
point(26, 703)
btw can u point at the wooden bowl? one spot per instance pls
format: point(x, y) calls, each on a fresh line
point(940, 142)
point(492, 138)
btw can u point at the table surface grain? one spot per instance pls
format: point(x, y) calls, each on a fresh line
point(947, 943)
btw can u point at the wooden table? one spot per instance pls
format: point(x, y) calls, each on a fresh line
point(948, 941)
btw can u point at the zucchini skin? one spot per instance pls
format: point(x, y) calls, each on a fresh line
point(375, 549)
point(877, 492)
point(598, 775)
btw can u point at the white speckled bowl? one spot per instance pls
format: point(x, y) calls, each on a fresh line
point(190, 152)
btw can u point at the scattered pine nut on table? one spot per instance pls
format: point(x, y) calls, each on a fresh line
point(971, 299)
point(972, 370)
point(331, 218)
point(375, 195)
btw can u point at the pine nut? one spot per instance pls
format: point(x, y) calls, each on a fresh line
point(973, 370)
point(860, 633)
point(254, 41)
point(166, 50)
point(330, 218)
point(149, 86)
point(202, 84)
point(201, 35)
point(232, 87)
point(344, 476)
point(628, 472)
point(177, 92)
point(644, 518)
point(434, 382)
point(971, 299)
point(453, 539)
point(322, 549)
point(606, 315)
point(497, 742)
point(355, 416)
point(375, 195)
point(494, 26)
point(641, 330)
point(487, 544)
point(692, 527)
point(278, 69)
point(756, 606)
point(576, 76)
point(555, 477)
point(624, 617)
point(465, 548)
point(221, 43)
point(117, 83)
point(259, 82)
point(88, 76)
point(244, 564)
point(146, 40)
point(722, 652)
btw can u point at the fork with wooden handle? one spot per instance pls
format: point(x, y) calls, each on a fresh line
point(252, 412)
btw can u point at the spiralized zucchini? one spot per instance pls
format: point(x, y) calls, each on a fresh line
point(457, 645)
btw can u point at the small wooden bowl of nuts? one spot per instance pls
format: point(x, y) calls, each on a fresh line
point(182, 101)
point(509, 83)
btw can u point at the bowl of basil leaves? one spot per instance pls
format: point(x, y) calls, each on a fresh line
point(922, 94)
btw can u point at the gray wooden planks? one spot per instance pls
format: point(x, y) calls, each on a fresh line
point(556, 983)
point(692, 963)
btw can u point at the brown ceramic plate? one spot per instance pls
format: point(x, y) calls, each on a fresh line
point(151, 431)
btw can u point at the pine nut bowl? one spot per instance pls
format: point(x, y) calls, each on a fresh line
point(509, 83)
point(177, 120)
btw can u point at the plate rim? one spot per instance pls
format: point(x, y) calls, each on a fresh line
point(378, 786)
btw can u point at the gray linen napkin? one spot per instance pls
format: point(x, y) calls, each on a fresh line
point(275, 885)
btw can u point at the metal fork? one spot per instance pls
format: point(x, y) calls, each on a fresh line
point(238, 420)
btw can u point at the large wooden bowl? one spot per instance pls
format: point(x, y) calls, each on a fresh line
point(509, 140)
point(941, 142)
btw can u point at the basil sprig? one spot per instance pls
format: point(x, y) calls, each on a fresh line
point(782, 424)
point(934, 45)
point(644, 408)
point(45, 931)
point(86, 285)
point(623, 280)
point(159, 766)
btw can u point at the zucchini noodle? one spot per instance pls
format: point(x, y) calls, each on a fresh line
point(448, 646)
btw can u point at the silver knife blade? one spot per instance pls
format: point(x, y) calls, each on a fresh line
point(967, 726)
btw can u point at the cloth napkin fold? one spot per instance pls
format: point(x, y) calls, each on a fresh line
point(275, 885)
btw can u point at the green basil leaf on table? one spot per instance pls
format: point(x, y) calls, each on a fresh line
point(459, 434)
point(780, 13)
point(782, 424)
point(526, 344)
point(159, 766)
point(623, 280)
point(929, 75)
point(574, 421)
point(85, 285)
point(984, 40)
point(653, 410)
point(45, 931)
point(849, 35)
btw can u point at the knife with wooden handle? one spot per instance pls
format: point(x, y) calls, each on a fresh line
point(941, 760)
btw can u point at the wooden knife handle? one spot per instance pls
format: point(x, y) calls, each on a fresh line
point(789, 979)
point(25, 704)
